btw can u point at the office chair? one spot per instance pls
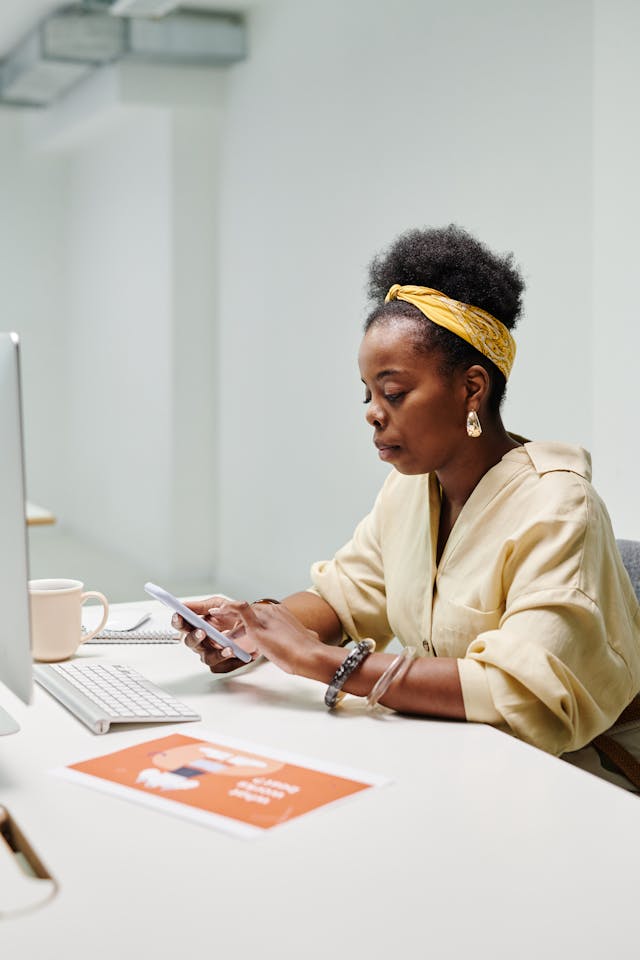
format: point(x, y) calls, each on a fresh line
point(630, 553)
point(616, 756)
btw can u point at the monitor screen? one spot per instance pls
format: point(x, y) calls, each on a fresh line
point(15, 638)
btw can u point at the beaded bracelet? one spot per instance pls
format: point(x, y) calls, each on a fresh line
point(395, 671)
point(350, 663)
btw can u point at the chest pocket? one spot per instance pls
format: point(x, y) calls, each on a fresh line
point(454, 626)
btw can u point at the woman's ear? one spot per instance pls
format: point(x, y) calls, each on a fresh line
point(477, 384)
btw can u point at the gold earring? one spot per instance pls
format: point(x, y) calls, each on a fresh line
point(474, 427)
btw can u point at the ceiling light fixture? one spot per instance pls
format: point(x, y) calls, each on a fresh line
point(72, 42)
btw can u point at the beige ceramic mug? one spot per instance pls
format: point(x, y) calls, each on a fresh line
point(56, 617)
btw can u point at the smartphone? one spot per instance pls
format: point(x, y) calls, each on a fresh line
point(195, 621)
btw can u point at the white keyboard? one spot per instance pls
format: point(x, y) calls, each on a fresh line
point(100, 694)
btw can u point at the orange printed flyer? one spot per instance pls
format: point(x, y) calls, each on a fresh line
point(219, 782)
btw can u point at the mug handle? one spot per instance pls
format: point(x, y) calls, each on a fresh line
point(105, 615)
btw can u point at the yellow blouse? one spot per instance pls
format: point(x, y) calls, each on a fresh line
point(530, 594)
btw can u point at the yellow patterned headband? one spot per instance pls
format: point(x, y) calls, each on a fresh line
point(474, 325)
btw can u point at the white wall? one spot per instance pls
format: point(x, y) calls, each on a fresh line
point(616, 336)
point(141, 291)
point(31, 262)
point(135, 212)
point(349, 123)
point(119, 288)
point(123, 354)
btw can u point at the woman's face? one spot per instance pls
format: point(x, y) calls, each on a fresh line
point(418, 414)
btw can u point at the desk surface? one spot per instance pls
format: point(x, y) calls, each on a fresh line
point(481, 847)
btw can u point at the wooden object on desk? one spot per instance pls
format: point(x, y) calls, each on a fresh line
point(24, 880)
point(38, 516)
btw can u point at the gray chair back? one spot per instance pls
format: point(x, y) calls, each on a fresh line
point(630, 553)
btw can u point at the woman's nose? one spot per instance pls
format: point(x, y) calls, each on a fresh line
point(374, 415)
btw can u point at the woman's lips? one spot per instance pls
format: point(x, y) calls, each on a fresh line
point(387, 451)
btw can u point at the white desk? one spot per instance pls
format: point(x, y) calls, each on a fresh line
point(482, 847)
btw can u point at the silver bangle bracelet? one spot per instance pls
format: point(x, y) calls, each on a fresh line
point(350, 663)
point(395, 671)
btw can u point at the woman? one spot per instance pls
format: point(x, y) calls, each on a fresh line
point(490, 558)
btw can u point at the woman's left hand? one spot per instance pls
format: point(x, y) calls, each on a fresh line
point(274, 632)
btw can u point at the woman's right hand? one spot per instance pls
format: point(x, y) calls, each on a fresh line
point(219, 659)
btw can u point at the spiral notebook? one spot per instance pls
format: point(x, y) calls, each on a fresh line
point(131, 626)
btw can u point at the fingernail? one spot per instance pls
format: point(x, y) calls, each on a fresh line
point(226, 652)
point(199, 635)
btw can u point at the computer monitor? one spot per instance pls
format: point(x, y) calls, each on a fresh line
point(15, 635)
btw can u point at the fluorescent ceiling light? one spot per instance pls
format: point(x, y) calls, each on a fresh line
point(69, 44)
point(78, 35)
point(42, 82)
point(188, 37)
point(142, 8)
point(28, 76)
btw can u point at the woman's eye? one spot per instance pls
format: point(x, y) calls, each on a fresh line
point(391, 397)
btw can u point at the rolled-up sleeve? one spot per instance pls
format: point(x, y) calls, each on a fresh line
point(561, 663)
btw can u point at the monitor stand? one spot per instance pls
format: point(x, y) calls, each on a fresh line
point(7, 724)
